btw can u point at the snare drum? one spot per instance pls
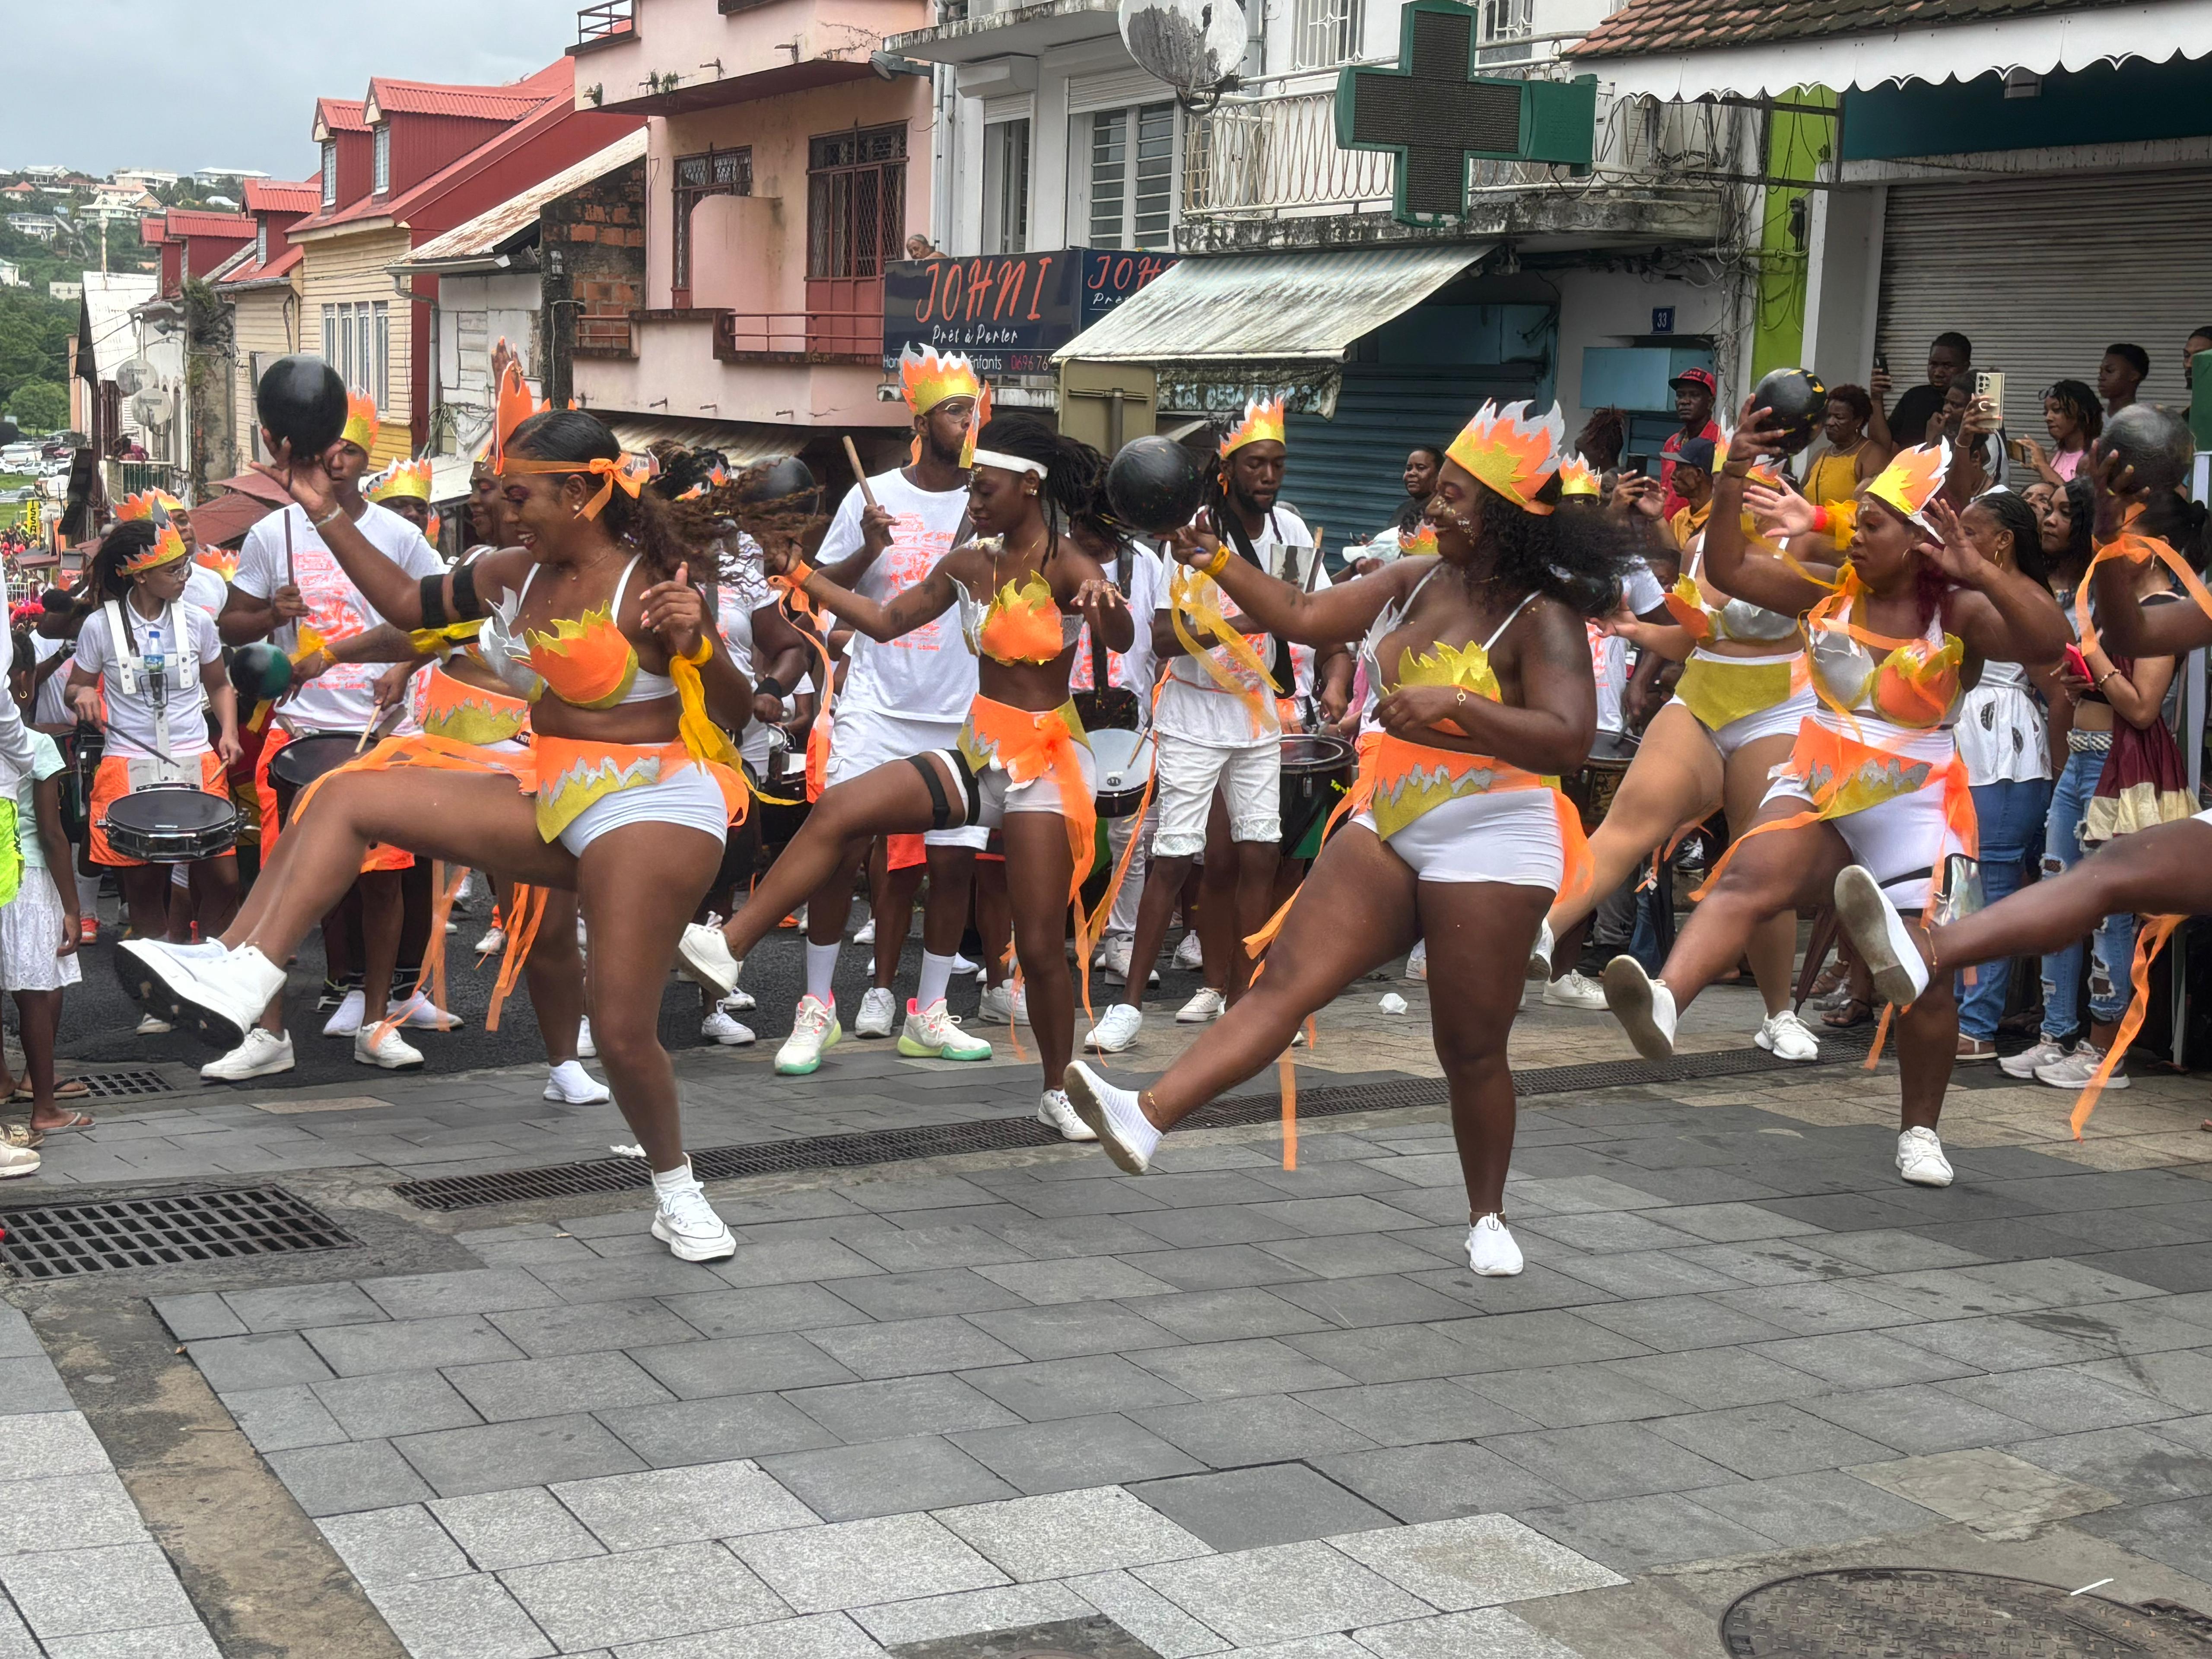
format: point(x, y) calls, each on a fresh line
point(302, 760)
point(1317, 771)
point(1593, 788)
point(171, 824)
point(1124, 763)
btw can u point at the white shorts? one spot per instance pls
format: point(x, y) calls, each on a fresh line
point(691, 798)
point(31, 926)
point(1902, 842)
point(861, 739)
point(1186, 774)
point(1512, 837)
point(995, 794)
point(1777, 719)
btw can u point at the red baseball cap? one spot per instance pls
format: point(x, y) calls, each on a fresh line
point(1697, 377)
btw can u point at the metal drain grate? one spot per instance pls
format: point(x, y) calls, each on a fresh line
point(162, 1230)
point(609, 1174)
point(116, 1086)
point(1897, 1613)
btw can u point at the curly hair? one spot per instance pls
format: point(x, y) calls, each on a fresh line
point(1856, 398)
point(1602, 438)
point(2079, 401)
point(1578, 558)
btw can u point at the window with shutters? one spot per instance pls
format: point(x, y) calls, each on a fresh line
point(473, 348)
point(329, 172)
point(1132, 162)
point(357, 343)
point(1507, 27)
point(1006, 186)
point(855, 202)
point(261, 243)
point(1325, 32)
point(381, 180)
point(716, 173)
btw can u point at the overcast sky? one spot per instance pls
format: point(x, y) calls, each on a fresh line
point(185, 84)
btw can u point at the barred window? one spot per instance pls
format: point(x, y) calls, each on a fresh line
point(855, 201)
point(716, 173)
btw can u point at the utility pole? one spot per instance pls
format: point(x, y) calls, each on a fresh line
point(103, 245)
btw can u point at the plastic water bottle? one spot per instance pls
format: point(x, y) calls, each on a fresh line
point(156, 659)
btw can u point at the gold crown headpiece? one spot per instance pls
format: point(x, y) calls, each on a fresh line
point(1913, 478)
point(1576, 476)
point(1262, 422)
point(1511, 451)
point(409, 479)
point(928, 377)
point(360, 421)
point(168, 542)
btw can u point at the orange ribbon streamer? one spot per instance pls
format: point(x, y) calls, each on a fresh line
point(631, 472)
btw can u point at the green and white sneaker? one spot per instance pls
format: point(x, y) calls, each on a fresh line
point(813, 1028)
point(932, 1033)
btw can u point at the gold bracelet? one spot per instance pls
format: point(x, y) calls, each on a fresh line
point(1219, 563)
point(335, 509)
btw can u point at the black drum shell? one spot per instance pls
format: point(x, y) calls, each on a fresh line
point(1155, 485)
point(301, 400)
point(1798, 402)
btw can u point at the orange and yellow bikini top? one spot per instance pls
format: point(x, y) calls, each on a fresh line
point(586, 662)
point(1022, 625)
point(1913, 683)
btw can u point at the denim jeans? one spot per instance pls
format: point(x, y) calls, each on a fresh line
point(2011, 816)
point(2112, 946)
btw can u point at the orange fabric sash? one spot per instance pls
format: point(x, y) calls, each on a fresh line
point(1030, 745)
point(2136, 550)
point(808, 618)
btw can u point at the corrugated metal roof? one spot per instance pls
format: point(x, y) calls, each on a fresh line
point(1644, 26)
point(108, 298)
point(340, 114)
point(507, 103)
point(1269, 307)
point(282, 259)
point(183, 221)
point(267, 195)
point(487, 232)
point(742, 442)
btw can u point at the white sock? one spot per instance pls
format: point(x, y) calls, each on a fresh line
point(1127, 1112)
point(936, 974)
point(667, 1183)
point(820, 969)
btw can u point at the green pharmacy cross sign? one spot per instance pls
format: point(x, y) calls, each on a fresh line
point(1432, 112)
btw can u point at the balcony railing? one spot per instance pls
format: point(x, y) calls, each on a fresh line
point(604, 20)
point(604, 337)
point(814, 337)
point(1276, 157)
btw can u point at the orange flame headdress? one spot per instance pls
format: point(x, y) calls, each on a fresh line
point(1418, 543)
point(510, 409)
point(978, 418)
point(168, 542)
point(142, 505)
point(1511, 451)
point(401, 478)
point(928, 377)
point(1262, 422)
point(1576, 476)
point(360, 421)
point(1912, 479)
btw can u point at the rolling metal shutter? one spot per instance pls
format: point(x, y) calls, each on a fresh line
point(2043, 274)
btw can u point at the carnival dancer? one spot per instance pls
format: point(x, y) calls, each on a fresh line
point(1481, 667)
point(1734, 715)
point(1019, 764)
point(2163, 872)
point(1217, 727)
point(903, 696)
point(623, 797)
point(149, 668)
point(1895, 628)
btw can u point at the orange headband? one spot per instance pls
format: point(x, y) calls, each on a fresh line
point(630, 471)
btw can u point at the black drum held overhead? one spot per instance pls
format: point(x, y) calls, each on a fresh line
point(1796, 402)
point(1155, 485)
point(302, 401)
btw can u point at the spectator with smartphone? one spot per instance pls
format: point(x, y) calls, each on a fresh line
point(2073, 417)
point(2124, 368)
point(1851, 456)
point(1950, 356)
point(1694, 390)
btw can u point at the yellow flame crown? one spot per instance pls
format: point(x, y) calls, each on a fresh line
point(928, 377)
point(1912, 478)
point(1511, 451)
point(1576, 475)
point(142, 505)
point(1262, 422)
point(360, 421)
point(409, 479)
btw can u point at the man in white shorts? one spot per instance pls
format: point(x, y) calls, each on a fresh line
point(901, 697)
point(1217, 725)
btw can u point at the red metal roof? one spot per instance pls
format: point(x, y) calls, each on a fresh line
point(153, 231)
point(282, 196)
point(340, 114)
point(185, 221)
point(1653, 26)
point(507, 103)
point(228, 518)
point(282, 259)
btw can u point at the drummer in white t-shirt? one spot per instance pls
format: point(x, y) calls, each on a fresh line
point(901, 697)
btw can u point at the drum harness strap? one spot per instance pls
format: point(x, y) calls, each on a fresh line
point(132, 666)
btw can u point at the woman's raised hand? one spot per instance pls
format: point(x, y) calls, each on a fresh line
point(1753, 440)
point(1952, 554)
point(1782, 511)
point(1193, 546)
point(677, 612)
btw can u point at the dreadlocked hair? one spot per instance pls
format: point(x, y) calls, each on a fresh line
point(1579, 559)
point(132, 539)
point(774, 502)
point(1074, 482)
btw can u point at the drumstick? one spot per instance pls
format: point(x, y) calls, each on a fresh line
point(859, 473)
point(363, 742)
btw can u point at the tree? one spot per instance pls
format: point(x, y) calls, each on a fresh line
point(41, 406)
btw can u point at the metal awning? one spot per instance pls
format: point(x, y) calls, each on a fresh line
point(2039, 43)
point(1266, 321)
point(743, 443)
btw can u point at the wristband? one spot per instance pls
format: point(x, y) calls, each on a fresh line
point(1821, 519)
point(769, 686)
point(335, 511)
point(1219, 563)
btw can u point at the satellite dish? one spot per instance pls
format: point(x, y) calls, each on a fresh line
point(1196, 46)
point(152, 408)
point(134, 377)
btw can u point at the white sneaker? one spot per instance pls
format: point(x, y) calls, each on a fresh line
point(740, 1002)
point(1920, 1159)
point(1206, 1004)
point(1885, 943)
point(723, 1027)
point(1116, 1029)
point(391, 1052)
point(1490, 1251)
point(1417, 960)
point(1788, 1037)
point(865, 936)
point(1643, 1005)
point(586, 1048)
point(1055, 1113)
point(2024, 1064)
point(570, 1083)
point(493, 942)
point(419, 1013)
point(703, 954)
point(1574, 990)
point(962, 965)
point(1540, 962)
point(932, 1033)
point(2074, 1071)
point(263, 1053)
point(1190, 955)
point(345, 1019)
point(17, 1160)
point(153, 1025)
point(878, 1010)
point(686, 1223)
point(222, 997)
point(1114, 1115)
point(813, 1028)
point(982, 976)
point(1114, 959)
point(998, 1006)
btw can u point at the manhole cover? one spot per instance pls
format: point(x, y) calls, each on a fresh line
point(1901, 1612)
point(60, 1241)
